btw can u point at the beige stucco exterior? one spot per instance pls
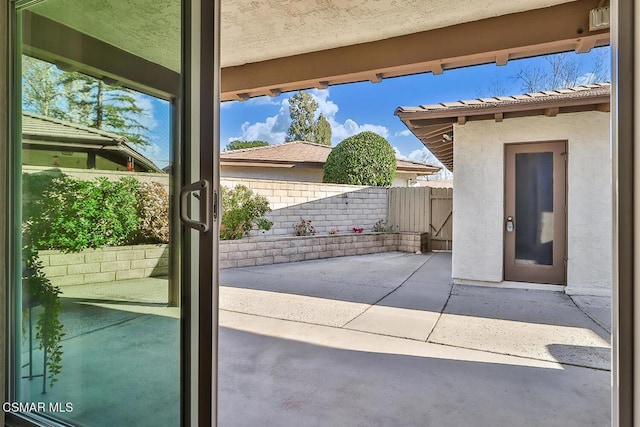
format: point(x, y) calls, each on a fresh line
point(298, 174)
point(478, 199)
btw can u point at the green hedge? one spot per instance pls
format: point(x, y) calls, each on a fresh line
point(362, 159)
point(60, 212)
point(68, 214)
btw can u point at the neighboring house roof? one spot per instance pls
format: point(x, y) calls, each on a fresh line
point(301, 153)
point(42, 131)
point(433, 124)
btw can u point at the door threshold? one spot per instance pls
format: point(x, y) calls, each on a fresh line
point(512, 285)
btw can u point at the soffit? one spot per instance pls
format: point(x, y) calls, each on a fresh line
point(255, 31)
point(275, 46)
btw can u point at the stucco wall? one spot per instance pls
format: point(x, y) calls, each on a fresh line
point(284, 174)
point(479, 197)
point(299, 174)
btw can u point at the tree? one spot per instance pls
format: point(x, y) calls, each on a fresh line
point(93, 103)
point(362, 159)
point(322, 131)
point(304, 126)
point(41, 92)
point(237, 145)
point(302, 109)
point(82, 99)
point(564, 70)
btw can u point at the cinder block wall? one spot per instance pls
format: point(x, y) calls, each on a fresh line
point(277, 249)
point(328, 206)
point(105, 264)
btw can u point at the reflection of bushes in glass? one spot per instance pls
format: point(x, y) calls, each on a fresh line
point(60, 212)
point(69, 214)
point(153, 210)
point(242, 210)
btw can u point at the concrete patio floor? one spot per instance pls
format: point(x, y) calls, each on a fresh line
point(374, 340)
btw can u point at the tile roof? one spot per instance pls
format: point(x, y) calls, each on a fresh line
point(42, 130)
point(303, 153)
point(433, 124)
point(289, 152)
point(37, 126)
point(596, 90)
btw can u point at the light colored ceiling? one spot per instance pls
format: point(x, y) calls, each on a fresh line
point(275, 46)
point(146, 28)
point(258, 30)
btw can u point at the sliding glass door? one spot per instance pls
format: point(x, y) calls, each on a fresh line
point(112, 297)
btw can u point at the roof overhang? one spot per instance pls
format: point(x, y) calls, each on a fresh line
point(564, 27)
point(433, 125)
point(430, 38)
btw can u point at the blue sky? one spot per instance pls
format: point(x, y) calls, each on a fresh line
point(356, 107)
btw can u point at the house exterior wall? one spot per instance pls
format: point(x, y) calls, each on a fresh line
point(298, 174)
point(478, 199)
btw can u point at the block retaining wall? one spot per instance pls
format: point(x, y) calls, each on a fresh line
point(276, 250)
point(105, 264)
point(140, 261)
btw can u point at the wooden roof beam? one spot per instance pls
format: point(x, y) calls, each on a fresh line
point(551, 112)
point(553, 29)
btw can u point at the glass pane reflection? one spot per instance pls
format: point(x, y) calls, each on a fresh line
point(534, 208)
point(100, 341)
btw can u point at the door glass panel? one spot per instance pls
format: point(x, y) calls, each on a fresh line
point(99, 339)
point(534, 209)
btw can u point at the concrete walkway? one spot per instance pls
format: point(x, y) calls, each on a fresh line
point(375, 340)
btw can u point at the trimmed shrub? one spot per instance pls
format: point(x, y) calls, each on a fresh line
point(242, 210)
point(362, 159)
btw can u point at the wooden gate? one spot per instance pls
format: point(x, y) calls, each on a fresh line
point(422, 210)
point(441, 221)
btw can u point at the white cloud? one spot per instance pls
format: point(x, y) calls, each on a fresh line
point(326, 107)
point(144, 102)
point(399, 155)
point(152, 150)
point(274, 128)
point(405, 132)
point(261, 100)
point(586, 79)
point(423, 155)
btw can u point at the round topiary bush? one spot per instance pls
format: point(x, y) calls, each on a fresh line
point(362, 159)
